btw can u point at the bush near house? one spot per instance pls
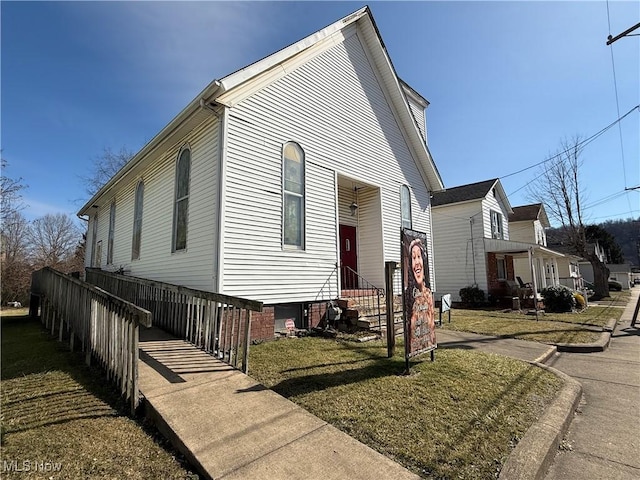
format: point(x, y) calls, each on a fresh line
point(558, 299)
point(472, 296)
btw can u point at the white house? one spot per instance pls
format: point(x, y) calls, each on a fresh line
point(528, 223)
point(275, 175)
point(471, 234)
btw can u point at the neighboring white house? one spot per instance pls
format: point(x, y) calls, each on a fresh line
point(274, 175)
point(586, 269)
point(528, 223)
point(472, 243)
point(621, 272)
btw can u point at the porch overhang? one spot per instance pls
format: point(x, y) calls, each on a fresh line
point(519, 249)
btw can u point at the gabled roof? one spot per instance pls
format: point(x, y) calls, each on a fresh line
point(531, 212)
point(233, 88)
point(469, 192)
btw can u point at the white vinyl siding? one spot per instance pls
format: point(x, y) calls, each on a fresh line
point(334, 107)
point(196, 266)
point(460, 261)
point(489, 204)
point(418, 113)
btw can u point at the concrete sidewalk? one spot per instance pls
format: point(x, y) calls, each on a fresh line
point(604, 438)
point(231, 427)
point(509, 347)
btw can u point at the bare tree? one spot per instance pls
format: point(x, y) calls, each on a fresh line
point(15, 269)
point(105, 166)
point(53, 240)
point(10, 197)
point(558, 187)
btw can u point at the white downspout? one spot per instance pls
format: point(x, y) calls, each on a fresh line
point(222, 172)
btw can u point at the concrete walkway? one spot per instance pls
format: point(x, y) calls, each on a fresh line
point(231, 427)
point(509, 347)
point(603, 441)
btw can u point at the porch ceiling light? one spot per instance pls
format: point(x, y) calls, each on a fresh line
point(353, 207)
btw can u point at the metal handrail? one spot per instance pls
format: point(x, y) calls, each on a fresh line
point(363, 292)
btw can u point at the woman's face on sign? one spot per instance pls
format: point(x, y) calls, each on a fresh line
point(417, 265)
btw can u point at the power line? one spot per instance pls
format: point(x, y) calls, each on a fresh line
point(580, 145)
point(615, 88)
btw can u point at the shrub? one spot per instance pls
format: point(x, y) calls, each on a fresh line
point(558, 299)
point(472, 296)
point(579, 299)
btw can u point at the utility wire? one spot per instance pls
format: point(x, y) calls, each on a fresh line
point(580, 145)
point(615, 88)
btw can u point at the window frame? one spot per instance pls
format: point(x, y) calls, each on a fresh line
point(405, 222)
point(301, 221)
point(94, 240)
point(496, 225)
point(136, 236)
point(111, 234)
point(501, 261)
point(178, 201)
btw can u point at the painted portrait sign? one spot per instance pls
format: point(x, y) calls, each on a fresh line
point(419, 316)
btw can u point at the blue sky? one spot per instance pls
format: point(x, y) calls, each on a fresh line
point(507, 81)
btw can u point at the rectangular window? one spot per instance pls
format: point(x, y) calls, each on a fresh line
point(98, 263)
point(502, 269)
point(496, 225)
point(112, 227)
point(94, 241)
point(405, 206)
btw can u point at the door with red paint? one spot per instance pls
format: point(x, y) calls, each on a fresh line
point(348, 257)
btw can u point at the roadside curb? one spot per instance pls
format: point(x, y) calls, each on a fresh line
point(535, 452)
point(599, 346)
point(546, 355)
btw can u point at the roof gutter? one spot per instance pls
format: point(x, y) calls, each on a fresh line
point(214, 88)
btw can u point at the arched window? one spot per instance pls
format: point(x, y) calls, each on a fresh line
point(181, 204)
point(94, 242)
point(137, 221)
point(405, 206)
point(293, 201)
point(112, 227)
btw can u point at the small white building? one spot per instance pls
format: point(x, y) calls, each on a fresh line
point(274, 176)
point(528, 223)
point(473, 244)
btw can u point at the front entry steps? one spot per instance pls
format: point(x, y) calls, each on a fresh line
point(367, 312)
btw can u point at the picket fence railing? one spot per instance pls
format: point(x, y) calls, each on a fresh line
point(105, 326)
point(219, 324)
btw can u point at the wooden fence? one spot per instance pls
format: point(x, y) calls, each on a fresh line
point(106, 326)
point(219, 324)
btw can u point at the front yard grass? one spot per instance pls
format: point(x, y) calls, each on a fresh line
point(61, 419)
point(552, 328)
point(457, 417)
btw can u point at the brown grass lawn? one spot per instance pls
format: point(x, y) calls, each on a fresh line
point(457, 417)
point(576, 327)
point(61, 419)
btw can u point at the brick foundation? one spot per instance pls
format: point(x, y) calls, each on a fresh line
point(263, 323)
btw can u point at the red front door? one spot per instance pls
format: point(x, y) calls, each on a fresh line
point(348, 257)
